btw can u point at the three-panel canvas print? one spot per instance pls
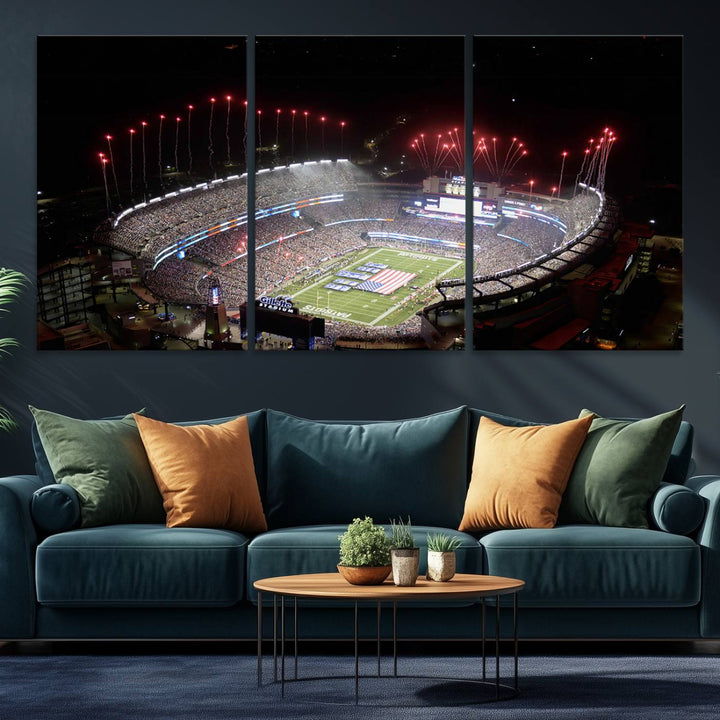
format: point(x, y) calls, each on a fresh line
point(374, 216)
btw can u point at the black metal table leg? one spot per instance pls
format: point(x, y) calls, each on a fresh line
point(259, 640)
point(275, 637)
point(357, 664)
point(295, 636)
point(395, 637)
point(282, 646)
point(515, 633)
point(497, 646)
point(484, 654)
point(378, 635)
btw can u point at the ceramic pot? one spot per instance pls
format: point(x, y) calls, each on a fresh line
point(365, 575)
point(440, 565)
point(405, 563)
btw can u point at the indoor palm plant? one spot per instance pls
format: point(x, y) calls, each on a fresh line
point(11, 283)
point(441, 556)
point(364, 553)
point(404, 553)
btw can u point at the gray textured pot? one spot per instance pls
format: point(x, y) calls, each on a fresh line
point(441, 565)
point(405, 563)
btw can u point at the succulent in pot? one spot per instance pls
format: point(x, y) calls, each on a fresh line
point(405, 554)
point(441, 556)
point(364, 553)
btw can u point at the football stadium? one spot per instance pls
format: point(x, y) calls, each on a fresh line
point(376, 262)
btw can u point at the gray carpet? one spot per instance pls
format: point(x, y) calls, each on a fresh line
point(220, 687)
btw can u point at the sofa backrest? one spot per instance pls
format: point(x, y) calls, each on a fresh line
point(679, 463)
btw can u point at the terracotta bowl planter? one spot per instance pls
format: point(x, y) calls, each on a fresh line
point(368, 575)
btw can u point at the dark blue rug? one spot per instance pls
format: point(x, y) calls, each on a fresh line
point(220, 687)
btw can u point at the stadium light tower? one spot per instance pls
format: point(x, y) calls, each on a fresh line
point(292, 134)
point(532, 182)
point(562, 167)
point(132, 133)
point(190, 109)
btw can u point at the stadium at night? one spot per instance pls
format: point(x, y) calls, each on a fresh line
point(325, 226)
point(359, 228)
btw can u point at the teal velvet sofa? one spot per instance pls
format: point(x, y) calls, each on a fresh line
point(147, 581)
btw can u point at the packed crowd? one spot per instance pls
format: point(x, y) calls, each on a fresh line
point(289, 247)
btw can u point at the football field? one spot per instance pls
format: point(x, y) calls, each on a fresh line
point(365, 307)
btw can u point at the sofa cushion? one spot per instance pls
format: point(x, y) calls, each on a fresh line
point(592, 566)
point(519, 473)
point(205, 474)
point(105, 461)
point(618, 469)
point(315, 549)
point(141, 566)
point(326, 473)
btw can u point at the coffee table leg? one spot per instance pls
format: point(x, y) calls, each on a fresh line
point(484, 654)
point(282, 646)
point(515, 631)
point(395, 637)
point(274, 637)
point(378, 635)
point(357, 665)
point(259, 640)
point(497, 646)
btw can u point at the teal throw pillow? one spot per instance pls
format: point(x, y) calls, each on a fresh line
point(618, 469)
point(105, 462)
point(331, 472)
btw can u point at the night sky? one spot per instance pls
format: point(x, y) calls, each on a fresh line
point(554, 93)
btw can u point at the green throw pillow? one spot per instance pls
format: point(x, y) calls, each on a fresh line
point(106, 463)
point(618, 469)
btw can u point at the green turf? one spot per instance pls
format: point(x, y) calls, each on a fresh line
point(367, 308)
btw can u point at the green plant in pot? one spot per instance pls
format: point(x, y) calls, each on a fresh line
point(404, 553)
point(441, 556)
point(364, 553)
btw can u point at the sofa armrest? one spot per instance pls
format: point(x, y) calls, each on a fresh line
point(708, 537)
point(18, 540)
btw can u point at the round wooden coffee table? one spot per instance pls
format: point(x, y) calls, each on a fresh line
point(324, 586)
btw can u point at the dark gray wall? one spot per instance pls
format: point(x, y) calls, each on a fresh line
point(549, 387)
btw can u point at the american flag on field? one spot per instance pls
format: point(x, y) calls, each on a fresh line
point(386, 282)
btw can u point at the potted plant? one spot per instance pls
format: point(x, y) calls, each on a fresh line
point(364, 553)
point(441, 556)
point(405, 555)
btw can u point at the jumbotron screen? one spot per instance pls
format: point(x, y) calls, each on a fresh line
point(447, 205)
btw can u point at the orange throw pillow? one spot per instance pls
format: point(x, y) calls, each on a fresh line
point(520, 473)
point(205, 474)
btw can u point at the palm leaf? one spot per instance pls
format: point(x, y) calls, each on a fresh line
point(12, 284)
point(7, 422)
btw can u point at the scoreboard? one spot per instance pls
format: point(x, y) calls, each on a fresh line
point(453, 205)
